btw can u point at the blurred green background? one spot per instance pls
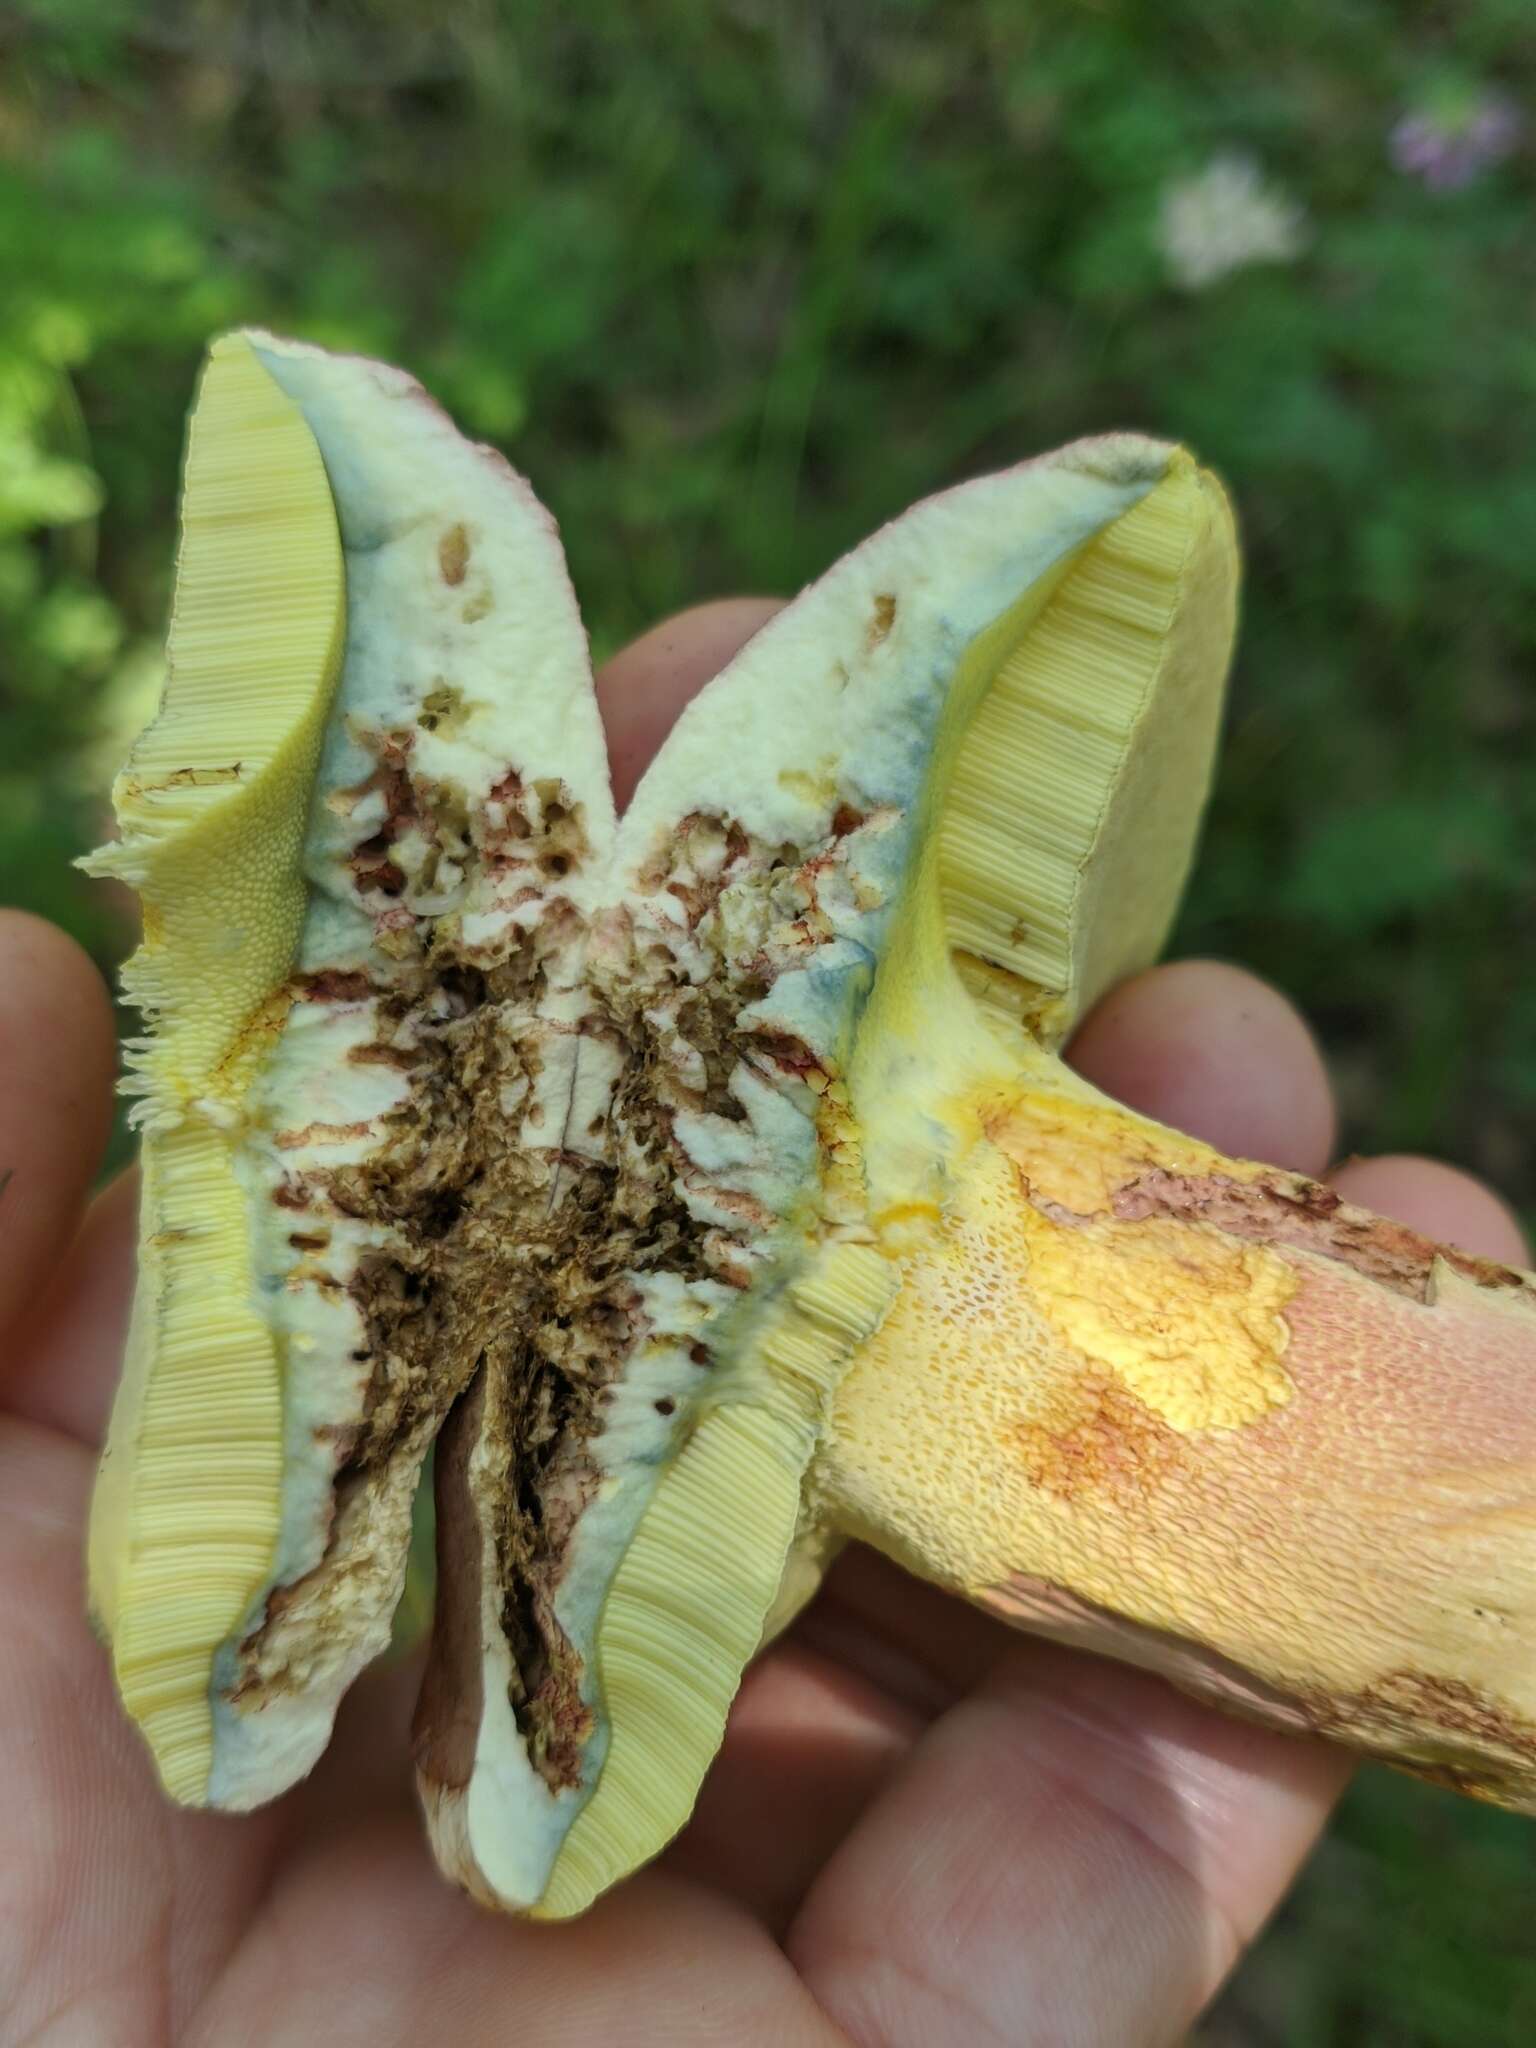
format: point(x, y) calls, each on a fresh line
point(733, 280)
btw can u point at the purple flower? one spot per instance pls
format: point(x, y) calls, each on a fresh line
point(1448, 146)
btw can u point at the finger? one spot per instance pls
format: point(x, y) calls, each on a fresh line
point(105, 1886)
point(90, 1808)
point(361, 1941)
point(1073, 1853)
point(1446, 1204)
point(812, 1735)
point(56, 1061)
point(1214, 1051)
point(69, 1347)
point(643, 688)
point(367, 1766)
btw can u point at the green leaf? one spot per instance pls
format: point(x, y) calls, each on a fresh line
point(1366, 865)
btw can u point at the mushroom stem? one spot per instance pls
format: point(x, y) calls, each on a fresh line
point(1205, 1417)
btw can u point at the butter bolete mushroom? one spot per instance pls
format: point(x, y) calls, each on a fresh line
point(704, 1183)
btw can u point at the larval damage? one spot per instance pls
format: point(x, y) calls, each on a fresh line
point(577, 1140)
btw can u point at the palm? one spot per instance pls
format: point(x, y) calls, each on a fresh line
point(920, 1829)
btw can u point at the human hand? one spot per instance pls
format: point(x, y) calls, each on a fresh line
point(921, 1830)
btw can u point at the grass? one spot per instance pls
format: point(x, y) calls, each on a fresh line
point(735, 281)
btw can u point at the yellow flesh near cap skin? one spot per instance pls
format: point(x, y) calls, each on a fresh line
point(212, 806)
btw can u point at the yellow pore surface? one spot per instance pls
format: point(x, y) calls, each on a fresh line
point(212, 806)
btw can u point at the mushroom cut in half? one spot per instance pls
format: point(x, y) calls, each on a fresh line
point(702, 1186)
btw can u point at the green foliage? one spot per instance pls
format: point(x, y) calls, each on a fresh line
point(1411, 1929)
point(733, 282)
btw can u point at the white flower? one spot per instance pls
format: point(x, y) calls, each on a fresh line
point(1224, 217)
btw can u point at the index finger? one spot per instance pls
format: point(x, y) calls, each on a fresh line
point(56, 1059)
point(644, 687)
